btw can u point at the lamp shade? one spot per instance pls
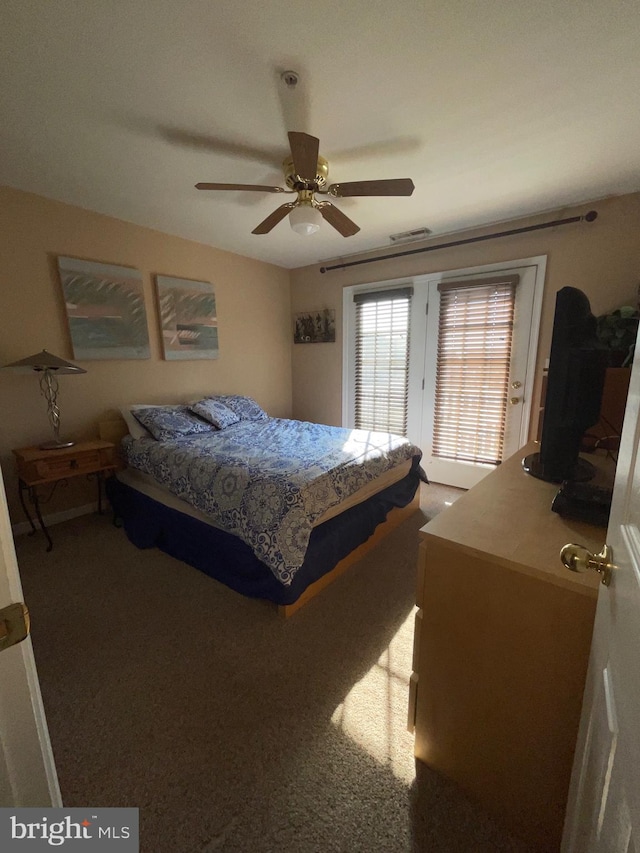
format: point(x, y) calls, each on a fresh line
point(44, 361)
point(49, 367)
point(305, 219)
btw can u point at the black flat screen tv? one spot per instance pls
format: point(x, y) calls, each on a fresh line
point(575, 380)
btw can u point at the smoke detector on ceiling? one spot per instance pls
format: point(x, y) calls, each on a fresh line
point(410, 236)
point(290, 78)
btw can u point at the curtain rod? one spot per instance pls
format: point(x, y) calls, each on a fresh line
point(588, 217)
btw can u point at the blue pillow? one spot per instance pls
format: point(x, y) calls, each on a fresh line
point(168, 422)
point(244, 407)
point(215, 412)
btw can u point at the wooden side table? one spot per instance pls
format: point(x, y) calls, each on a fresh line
point(38, 468)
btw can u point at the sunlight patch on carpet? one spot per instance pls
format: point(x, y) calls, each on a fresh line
point(374, 712)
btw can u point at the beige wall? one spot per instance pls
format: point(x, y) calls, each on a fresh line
point(253, 304)
point(601, 258)
point(254, 311)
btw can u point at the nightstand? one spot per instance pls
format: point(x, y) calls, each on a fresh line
point(38, 468)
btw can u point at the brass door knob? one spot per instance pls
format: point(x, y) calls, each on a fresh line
point(14, 625)
point(577, 558)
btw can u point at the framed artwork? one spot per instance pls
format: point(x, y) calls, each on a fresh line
point(105, 310)
point(315, 327)
point(188, 318)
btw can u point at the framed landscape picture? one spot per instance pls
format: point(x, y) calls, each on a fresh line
point(188, 318)
point(105, 309)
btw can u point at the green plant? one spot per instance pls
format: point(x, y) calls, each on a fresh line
point(617, 332)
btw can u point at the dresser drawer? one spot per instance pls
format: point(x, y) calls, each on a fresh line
point(62, 466)
point(37, 466)
point(417, 634)
point(420, 573)
point(413, 702)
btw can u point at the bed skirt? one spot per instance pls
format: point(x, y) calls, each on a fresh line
point(149, 523)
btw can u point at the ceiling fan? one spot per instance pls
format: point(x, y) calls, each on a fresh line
point(305, 173)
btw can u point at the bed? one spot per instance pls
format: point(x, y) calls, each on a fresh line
point(273, 508)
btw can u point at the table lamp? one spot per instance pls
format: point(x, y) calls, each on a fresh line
point(49, 367)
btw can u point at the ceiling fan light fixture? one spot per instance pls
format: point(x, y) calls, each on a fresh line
point(305, 173)
point(305, 219)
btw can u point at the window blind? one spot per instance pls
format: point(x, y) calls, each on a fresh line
point(472, 372)
point(382, 359)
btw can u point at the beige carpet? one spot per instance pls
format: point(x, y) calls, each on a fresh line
point(231, 729)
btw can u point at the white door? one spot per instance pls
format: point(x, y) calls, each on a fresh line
point(455, 447)
point(603, 814)
point(27, 770)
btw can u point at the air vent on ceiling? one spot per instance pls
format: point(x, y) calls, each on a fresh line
point(410, 236)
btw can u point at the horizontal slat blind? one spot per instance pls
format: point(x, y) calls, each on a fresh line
point(472, 379)
point(382, 360)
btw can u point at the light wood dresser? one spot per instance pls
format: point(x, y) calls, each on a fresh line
point(502, 639)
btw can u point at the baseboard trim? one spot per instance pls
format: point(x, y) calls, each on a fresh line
point(55, 518)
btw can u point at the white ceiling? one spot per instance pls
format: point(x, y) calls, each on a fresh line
point(494, 108)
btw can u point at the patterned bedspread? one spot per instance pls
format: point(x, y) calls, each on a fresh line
point(268, 481)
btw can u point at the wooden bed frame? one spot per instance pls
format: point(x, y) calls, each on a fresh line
point(116, 429)
point(113, 430)
point(394, 519)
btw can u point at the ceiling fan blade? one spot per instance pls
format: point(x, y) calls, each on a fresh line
point(258, 188)
point(221, 145)
point(393, 186)
point(304, 150)
point(347, 227)
point(272, 220)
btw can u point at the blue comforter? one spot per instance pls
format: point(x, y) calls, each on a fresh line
point(268, 481)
